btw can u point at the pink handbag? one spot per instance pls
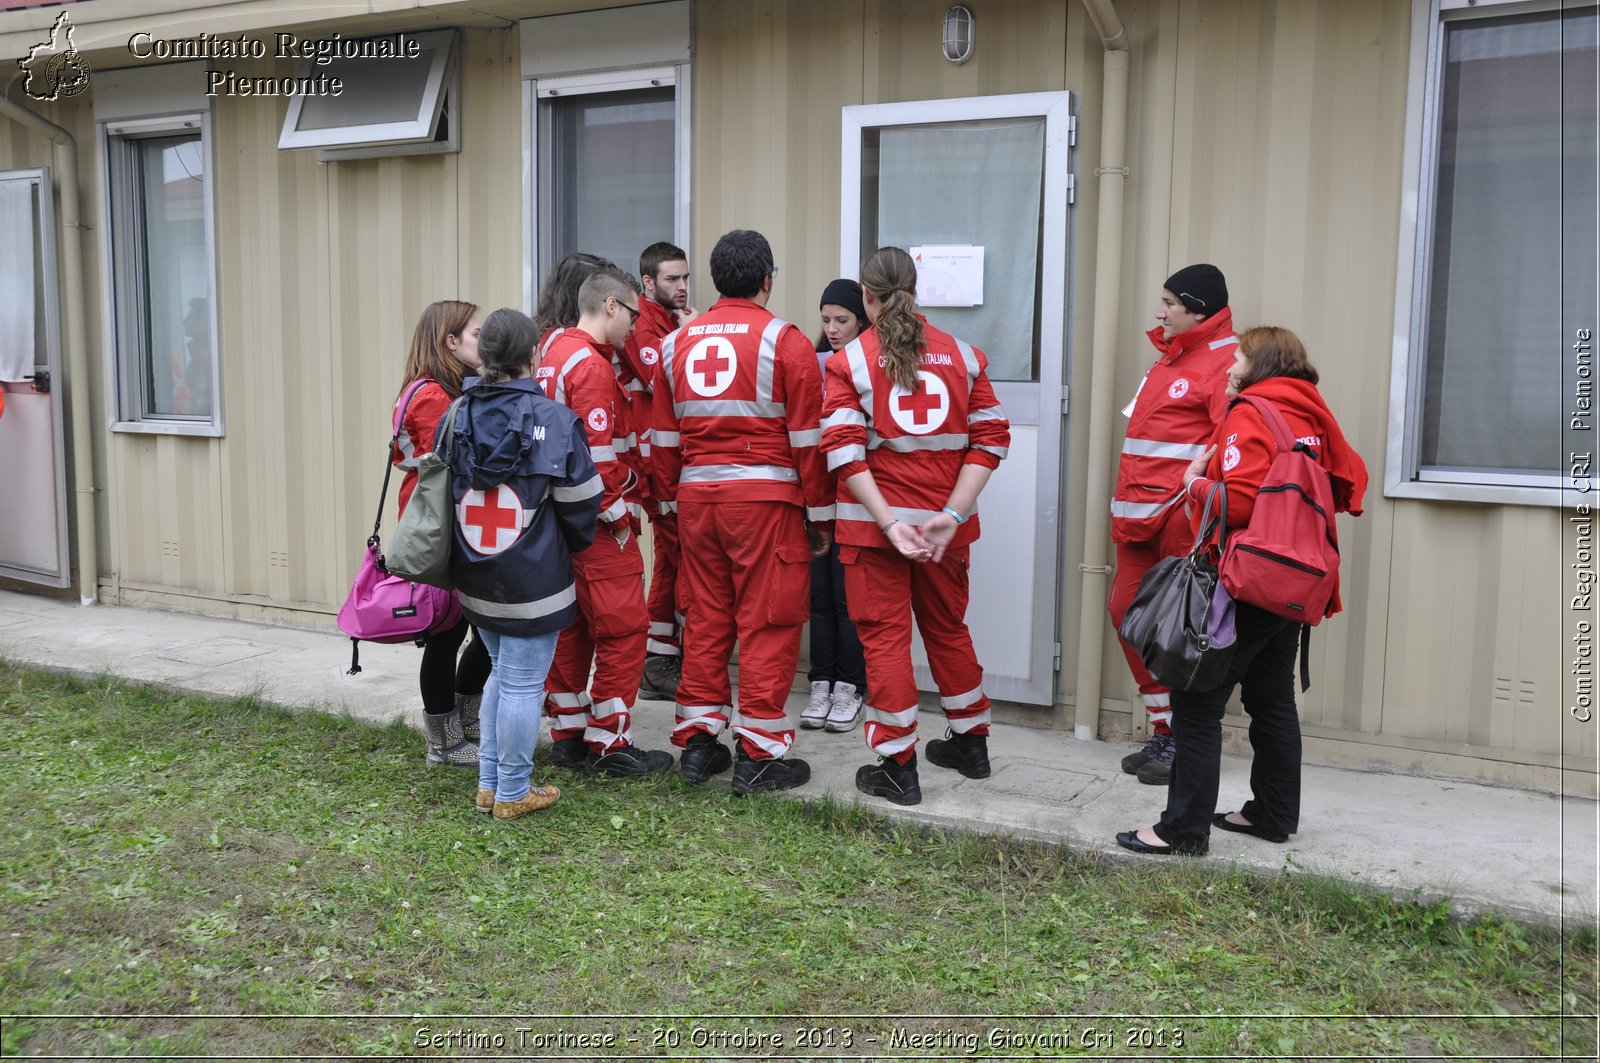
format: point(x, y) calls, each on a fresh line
point(383, 607)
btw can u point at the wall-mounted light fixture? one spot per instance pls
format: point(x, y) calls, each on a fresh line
point(958, 33)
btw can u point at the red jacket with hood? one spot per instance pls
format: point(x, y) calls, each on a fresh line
point(1176, 410)
point(1246, 449)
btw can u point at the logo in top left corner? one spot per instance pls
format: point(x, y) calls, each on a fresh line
point(54, 70)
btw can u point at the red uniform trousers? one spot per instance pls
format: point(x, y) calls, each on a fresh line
point(1133, 561)
point(746, 577)
point(885, 590)
point(609, 634)
point(665, 615)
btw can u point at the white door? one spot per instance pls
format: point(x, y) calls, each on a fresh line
point(33, 490)
point(978, 187)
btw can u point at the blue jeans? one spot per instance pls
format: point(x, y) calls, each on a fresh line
point(513, 704)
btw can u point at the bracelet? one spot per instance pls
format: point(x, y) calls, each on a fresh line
point(885, 528)
point(958, 518)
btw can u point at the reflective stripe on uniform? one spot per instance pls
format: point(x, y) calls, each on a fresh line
point(1155, 448)
point(908, 444)
point(856, 511)
point(820, 513)
point(571, 364)
point(808, 438)
point(767, 359)
point(842, 455)
point(903, 718)
point(963, 724)
point(961, 701)
point(968, 356)
point(727, 408)
point(1144, 510)
point(891, 747)
point(844, 415)
point(856, 357)
point(553, 603)
point(664, 439)
point(701, 474)
point(772, 745)
point(579, 492)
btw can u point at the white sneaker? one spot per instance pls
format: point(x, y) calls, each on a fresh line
point(818, 707)
point(846, 708)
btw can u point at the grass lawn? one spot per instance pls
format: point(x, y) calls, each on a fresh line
point(197, 874)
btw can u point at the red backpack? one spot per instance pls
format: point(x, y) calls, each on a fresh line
point(1287, 560)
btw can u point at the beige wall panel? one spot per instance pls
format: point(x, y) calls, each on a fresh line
point(394, 251)
point(1265, 137)
point(1475, 633)
point(490, 167)
point(768, 83)
point(1019, 46)
point(171, 508)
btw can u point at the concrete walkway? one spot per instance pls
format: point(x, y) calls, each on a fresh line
point(1528, 855)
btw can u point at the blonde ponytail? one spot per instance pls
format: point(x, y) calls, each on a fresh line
point(891, 277)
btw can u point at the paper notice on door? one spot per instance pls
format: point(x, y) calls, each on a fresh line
point(949, 274)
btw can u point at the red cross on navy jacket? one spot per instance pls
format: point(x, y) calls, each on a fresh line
point(577, 372)
point(913, 444)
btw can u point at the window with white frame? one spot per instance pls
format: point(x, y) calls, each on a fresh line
point(1503, 271)
point(610, 167)
point(606, 117)
point(162, 275)
point(399, 95)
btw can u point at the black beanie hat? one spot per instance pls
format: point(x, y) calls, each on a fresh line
point(846, 293)
point(1200, 288)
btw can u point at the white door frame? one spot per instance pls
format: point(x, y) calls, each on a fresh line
point(45, 232)
point(1042, 403)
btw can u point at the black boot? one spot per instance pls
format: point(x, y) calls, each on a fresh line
point(968, 754)
point(897, 782)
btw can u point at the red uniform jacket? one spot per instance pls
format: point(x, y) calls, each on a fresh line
point(913, 444)
point(577, 371)
point(1178, 407)
point(422, 419)
point(637, 370)
point(1246, 449)
point(737, 409)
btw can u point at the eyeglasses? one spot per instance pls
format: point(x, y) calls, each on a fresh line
point(773, 272)
point(629, 309)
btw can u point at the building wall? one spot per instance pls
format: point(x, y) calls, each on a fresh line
point(1263, 135)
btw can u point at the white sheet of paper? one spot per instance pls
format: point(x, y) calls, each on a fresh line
point(949, 274)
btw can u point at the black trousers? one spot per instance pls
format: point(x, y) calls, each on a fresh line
point(1263, 669)
point(836, 654)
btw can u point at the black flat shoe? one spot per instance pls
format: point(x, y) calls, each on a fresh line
point(1129, 839)
point(1221, 820)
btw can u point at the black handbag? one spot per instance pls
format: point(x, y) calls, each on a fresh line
point(1181, 620)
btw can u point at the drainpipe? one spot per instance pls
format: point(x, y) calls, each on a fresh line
point(66, 167)
point(1113, 173)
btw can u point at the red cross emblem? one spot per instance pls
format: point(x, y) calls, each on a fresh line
point(923, 412)
point(711, 366)
point(487, 516)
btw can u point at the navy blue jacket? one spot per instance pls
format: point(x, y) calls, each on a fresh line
point(527, 496)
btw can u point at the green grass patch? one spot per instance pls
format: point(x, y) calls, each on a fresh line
point(168, 856)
